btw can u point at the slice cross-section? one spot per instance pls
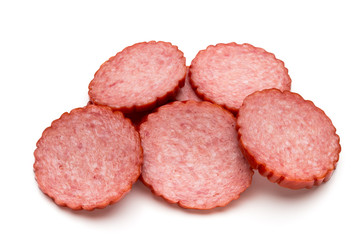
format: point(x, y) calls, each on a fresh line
point(139, 77)
point(226, 73)
point(288, 139)
point(191, 155)
point(88, 158)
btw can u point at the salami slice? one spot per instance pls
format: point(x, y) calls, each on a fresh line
point(289, 140)
point(226, 73)
point(89, 158)
point(139, 77)
point(191, 155)
point(187, 93)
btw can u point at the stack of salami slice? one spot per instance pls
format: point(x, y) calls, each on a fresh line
point(193, 135)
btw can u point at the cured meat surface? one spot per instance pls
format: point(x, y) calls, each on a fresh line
point(186, 92)
point(139, 77)
point(88, 158)
point(289, 140)
point(226, 73)
point(191, 155)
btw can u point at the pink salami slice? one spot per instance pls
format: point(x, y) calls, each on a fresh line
point(289, 140)
point(187, 93)
point(139, 77)
point(226, 73)
point(191, 155)
point(88, 158)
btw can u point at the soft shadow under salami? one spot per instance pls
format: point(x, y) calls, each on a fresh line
point(262, 186)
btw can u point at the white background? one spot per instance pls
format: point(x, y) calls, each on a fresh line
point(50, 50)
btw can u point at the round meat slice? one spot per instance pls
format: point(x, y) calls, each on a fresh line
point(186, 92)
point(191, 155)
point(226, 73)
point(289, 140)
point(139, 77)
point(89, 158)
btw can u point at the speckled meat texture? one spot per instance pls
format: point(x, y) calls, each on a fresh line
point(187, 93)
point(191, 155)
point(289, 140)
point(89, 158)
point(140, 77)
point(226, 73)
